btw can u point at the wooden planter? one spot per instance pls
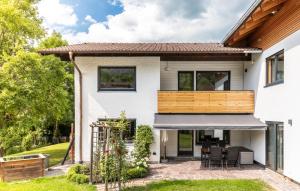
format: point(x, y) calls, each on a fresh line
point(21, 167)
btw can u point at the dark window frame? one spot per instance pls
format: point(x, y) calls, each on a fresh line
point(131, 120)
point(191, 72)
point(229, 78)
point(116, 89)
point(276, 82)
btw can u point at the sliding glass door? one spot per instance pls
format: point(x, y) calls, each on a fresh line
point(185, 142)
point(212, 80)
point(274, 146)
point(185, 80)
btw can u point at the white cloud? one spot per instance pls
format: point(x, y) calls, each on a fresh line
point(56, 15)
point(90, 19)
point(165, 21)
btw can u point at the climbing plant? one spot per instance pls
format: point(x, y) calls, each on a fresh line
point(142, 143)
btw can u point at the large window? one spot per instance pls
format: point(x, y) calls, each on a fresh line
point(129, 134)
point(212, 80)
point(275, 69)
point(185, 80)
point(117, 79)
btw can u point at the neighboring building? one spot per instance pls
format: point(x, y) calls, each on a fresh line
point(243, 91)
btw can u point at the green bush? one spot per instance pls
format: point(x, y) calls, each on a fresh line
point(137, 172)
point(78, 173)
point(142, 143)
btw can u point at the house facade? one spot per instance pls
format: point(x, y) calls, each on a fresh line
point(242, 92)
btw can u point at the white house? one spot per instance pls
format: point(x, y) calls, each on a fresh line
point(242, 92)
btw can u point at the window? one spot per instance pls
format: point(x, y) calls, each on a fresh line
point(275, 69)
point(213, 136)
point(212, 80)
point(186, 81)
point(117, 78)
point(129, 134)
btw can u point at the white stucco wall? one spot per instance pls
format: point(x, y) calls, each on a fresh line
point(280, 102)
point(140, 104)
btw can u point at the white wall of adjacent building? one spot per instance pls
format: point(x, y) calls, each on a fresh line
point(280, 102)
point(140, 104)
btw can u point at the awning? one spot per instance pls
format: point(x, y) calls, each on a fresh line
point(207, 122)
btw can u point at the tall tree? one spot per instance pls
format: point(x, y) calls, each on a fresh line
point(53, 41)
point(33, 90)
point(19, 25)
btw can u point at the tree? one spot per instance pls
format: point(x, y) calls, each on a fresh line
point(19, 26)
point(33, 91)
point(53, 41)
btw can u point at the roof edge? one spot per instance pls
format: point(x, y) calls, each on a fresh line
point(254, 5)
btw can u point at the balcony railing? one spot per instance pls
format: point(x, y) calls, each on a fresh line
point(205, 101)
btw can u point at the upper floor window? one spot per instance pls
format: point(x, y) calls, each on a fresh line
point(212, 80)
point(275, 68)
point(116, 78)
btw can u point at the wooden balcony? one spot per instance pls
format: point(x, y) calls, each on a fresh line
point(205, 101)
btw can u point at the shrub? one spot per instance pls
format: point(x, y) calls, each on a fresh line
point(78, 173)
point(137, 172)
point(142, 143)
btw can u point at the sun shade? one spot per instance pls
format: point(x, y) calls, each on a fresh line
point(208, 122)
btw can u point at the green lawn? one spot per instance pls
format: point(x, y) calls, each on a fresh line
point(57, 152)
point(204, 185)
point(58, 183)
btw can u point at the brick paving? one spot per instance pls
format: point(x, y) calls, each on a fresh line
point(192, 170)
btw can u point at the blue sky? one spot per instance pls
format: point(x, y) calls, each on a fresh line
point(97, 9)
point(142, 20)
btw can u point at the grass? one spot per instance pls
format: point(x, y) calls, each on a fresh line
point(57, 183)
point(56, 152)
point(204, 185)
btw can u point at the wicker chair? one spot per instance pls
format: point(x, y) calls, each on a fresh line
point(232, 156)
point(215, 155)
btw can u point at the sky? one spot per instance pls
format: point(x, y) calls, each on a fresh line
point(82, 21)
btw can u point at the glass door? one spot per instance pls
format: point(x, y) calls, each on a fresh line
point(274, 147)
point(185, 143)
point(185, 80)
point(212, 80)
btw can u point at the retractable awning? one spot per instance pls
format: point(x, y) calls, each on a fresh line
point(207, 122)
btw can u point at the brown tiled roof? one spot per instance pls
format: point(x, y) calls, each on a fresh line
point(147, 48)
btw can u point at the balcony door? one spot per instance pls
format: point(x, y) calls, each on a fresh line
point(185, 80)
point(185, 142)
point(274, 147)
point(212, 80)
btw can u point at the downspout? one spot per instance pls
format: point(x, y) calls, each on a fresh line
point(80, 104)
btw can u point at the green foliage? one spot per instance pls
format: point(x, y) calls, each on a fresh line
point(53, 41)
point(19, 25)
point(32, 92)
point(78, 173)
point(137, 172)
point(142, 142)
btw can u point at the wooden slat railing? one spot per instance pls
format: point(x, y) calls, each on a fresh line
point(205, 101)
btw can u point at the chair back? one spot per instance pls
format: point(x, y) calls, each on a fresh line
point(232, 154)
point(222, 143)
point(216, 153)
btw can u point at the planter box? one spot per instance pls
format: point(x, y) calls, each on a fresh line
point(21, 167)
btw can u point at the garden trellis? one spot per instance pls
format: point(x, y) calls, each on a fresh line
point(108, 153)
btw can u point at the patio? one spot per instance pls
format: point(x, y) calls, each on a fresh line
point(175, 170)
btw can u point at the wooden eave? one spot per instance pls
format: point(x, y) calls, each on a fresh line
point(265, 10)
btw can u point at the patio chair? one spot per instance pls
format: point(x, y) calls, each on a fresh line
point(215, 155)
point(232, 156)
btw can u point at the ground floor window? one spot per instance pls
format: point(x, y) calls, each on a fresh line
point(129, 134)
point(274, 146)
point(214, 136)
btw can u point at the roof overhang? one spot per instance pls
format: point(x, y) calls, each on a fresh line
point(207, 122)
point(260, 12)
